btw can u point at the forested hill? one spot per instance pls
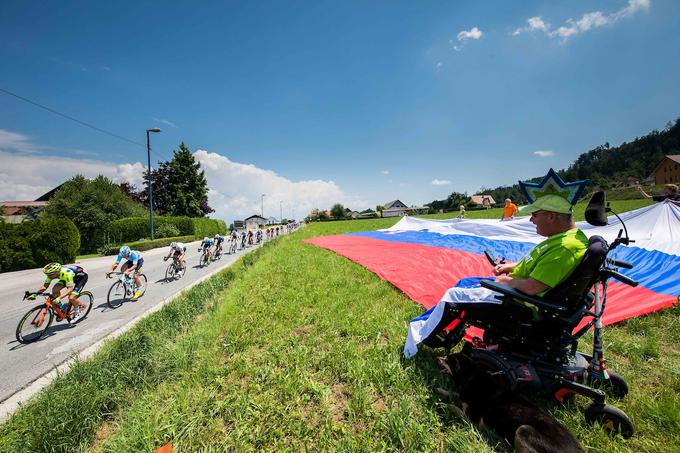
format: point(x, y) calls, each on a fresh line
point(605, 166)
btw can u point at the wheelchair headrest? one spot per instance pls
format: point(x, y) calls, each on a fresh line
point(596, 211)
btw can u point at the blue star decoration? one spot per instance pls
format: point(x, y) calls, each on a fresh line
point(552, 184)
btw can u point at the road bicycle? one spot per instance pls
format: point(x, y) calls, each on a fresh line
point(232, 246)
point(206, 257)
point(123, 289)
point(38, 319)
point(175, 270)
point(218, 253)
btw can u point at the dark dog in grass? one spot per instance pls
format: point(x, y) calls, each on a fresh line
point(488, 404)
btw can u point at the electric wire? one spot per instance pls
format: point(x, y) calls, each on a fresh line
point(82, 123)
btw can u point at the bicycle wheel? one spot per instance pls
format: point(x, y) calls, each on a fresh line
point(182, 271)
point(203, 260)
point(117, 294)
point(170, 272)
point(142, 289)
point(86, 298)
point(34, 324)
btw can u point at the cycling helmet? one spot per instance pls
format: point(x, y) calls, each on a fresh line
point(125, 250)
point(205, 239)
point(217, 236)
point(51, 268)
point(173, 245)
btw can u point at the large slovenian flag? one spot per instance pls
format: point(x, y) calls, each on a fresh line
point(424, 258)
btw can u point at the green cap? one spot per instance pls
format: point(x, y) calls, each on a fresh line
point(552, 203)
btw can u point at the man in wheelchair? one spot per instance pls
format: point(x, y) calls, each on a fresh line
point(530, 312)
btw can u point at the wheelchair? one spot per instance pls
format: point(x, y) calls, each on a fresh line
point(530, 343)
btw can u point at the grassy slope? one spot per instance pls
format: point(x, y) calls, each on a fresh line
point(304, 350)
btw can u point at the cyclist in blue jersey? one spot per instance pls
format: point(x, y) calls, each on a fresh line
point(218, 244)
point(205, 246)
point(133, 265)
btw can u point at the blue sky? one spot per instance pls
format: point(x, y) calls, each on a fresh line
point(318, 101)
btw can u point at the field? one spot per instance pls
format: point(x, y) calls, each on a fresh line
point(298, 348)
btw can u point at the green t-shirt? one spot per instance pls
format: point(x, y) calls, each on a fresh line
point(554, 259)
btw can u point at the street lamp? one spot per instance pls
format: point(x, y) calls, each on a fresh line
point(281, 212)
point(262, 205)
point(148, 155)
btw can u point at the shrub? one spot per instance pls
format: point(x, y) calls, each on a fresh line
point(134, 228)
point(166, 231)
point(164, 242)
point(36, 243)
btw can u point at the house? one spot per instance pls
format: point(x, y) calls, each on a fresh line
point(16, 211)
point(668, 170)
point(272, 221)
point(397, 208)
point(254, 222)
point(483, 200)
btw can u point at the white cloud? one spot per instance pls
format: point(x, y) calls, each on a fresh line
point(474, 33)
point(440, 182)
point(439, 65)
point(164, 121)
point(465, 35)
point(27, 177)
point(13, 141)
point(235, 190)
point(589, 21)
point(385, 172)
point(544, 153)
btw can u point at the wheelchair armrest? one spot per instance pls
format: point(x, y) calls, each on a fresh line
point(512, 292)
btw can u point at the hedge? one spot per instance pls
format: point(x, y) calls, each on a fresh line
point(149, 244)
point(137, 228)
point(35, 243)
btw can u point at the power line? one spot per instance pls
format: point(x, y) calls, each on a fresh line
point(82, 123)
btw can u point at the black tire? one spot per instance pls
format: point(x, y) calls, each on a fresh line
point(86, 298)
point(180, 272)
point(170, 273)
point(615, 386)
point(613, 420)
point(117, 294)
point(27, 330)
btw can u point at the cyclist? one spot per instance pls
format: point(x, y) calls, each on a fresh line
point(218, 244)
point(250, 237)
point(178, 251)
point(133, 264)
point(258, 236)
point(73, 278)
point(243, 239)
point(205, 246)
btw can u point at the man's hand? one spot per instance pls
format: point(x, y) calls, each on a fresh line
point(165, 258)
point(504, 279)
point(33, 296)
point(505, 268)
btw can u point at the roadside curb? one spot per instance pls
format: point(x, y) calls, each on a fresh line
point(15, 401)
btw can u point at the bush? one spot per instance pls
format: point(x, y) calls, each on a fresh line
point(164, 242)
point(135, 228)
point(166, 231)
point(36, 243)
point(208, 227)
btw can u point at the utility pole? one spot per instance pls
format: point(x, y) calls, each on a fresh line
point(281, 212)
point(262, 205)
point(148, 155)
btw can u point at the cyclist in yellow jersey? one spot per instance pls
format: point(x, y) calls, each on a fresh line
point(72, 277)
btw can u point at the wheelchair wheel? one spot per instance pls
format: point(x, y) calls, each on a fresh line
point(615, 386)
point(502, 371)
point(613, 420)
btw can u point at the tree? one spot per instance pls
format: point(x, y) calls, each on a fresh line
point(188, 185)
point(131, 192)
point(338, 211)
point(91, 205)
point(162, 190)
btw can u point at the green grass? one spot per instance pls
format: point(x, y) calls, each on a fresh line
point(303, 351)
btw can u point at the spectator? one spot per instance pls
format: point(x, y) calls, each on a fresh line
point(509, 210)
point(462, 212)
point(671, 195)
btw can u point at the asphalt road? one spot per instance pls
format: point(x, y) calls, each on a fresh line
point(23, 364)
